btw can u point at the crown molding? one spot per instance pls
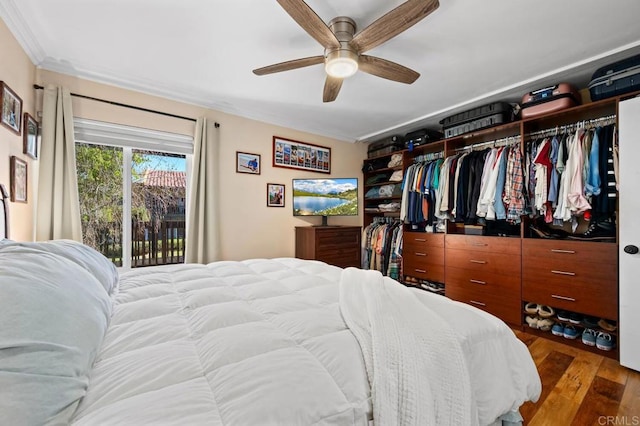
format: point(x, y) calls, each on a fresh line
point(18, 26)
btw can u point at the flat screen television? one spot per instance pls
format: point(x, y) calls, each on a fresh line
point(325, 197)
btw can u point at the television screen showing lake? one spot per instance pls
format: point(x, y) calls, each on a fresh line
point(315, 205)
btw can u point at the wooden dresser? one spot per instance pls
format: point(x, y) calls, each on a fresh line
point(423, 256)
point(485, 272)
point(336, 245)
point(572, 275)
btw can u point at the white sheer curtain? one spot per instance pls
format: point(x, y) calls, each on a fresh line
point(203, 235)
point(58, 208)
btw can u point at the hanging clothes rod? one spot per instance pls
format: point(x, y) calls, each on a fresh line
point(585, 124)
point(510, 140)
point(153, 111)
point(430, 156)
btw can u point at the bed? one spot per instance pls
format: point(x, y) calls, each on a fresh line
point(257, 342)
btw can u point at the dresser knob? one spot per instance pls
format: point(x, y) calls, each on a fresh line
point(631, 249)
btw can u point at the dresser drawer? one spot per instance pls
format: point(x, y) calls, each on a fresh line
point(586, 297)
point(496, 263)
point(337, 251)
point(507, 285)
point(343, 258)
point(424, 255)
point(505, 245)
point(422, 270)
point(571, 251)
point(422, 239)
point(337, 237)
point(507, 307)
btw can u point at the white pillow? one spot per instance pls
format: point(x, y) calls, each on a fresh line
point(88, 258)
point(53, 317)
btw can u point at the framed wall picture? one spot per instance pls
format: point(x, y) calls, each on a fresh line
point(18, 180)
point(300, 155)
point(247, 163)
point(11, 103)
point(30, 136)
point(275, 195)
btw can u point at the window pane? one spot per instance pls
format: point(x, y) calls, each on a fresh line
point(100, 192)
point(158, 191)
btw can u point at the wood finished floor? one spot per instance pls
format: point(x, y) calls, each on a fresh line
point(580, 388)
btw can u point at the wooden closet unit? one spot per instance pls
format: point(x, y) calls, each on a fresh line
point(485, 272)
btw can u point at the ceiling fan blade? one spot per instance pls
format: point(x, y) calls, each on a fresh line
point(332, 87)
point(386, 69)
point(290, 65)
point(310, 22)
point(393, 23)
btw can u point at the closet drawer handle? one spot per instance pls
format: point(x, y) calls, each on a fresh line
point(420, 254)
point(571, 274)
point(478, 282)
point(477, 303)
point(479, 244)
point(480, 262)
point(420, 270)
point(563, 251)
point(422, 240)
point(570, 299)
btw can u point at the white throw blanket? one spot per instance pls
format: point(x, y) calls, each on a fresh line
point(415, 364)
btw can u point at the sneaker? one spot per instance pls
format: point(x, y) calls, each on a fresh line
point(570, 332)
point(545, 311)
point(545, 324)
point(532, 321)
point(563, 315)
point(604, 341)
point(589, 337)
point(597, 231)
point(557, 329)
point(590, 322)
point(575, 318)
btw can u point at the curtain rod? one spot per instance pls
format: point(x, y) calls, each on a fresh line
point(38, 87)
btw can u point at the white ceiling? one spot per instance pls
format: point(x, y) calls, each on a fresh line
point(468, 52)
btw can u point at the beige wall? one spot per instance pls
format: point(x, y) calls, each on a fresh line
point(248, 228)
point(19, 74)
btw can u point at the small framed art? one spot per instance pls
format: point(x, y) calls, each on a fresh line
point(300, 155)
point(18, 180)
point(275, 195)
point(247, 163)
point(11, 103)
point(30, 136)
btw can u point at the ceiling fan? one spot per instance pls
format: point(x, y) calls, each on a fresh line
point(343, 48)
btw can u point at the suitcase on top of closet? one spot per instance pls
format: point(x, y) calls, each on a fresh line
point(477, 118)
point(385, 146)
point(615, 79)
point(549, 99)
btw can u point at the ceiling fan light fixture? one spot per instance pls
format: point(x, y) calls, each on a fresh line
point(341, 63)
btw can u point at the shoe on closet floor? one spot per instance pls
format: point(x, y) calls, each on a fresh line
point(531, 308)
point(546, 311)
point(590, 322)
point(575, 318)
point(557, 329)
point(563, 315)
point(545, 324)
point(607, 325)
point(570, 332)
point(597, 231)
point(589, 337)
point(604, 341)
point(532, 321)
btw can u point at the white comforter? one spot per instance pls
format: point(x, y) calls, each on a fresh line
point(263, 342)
